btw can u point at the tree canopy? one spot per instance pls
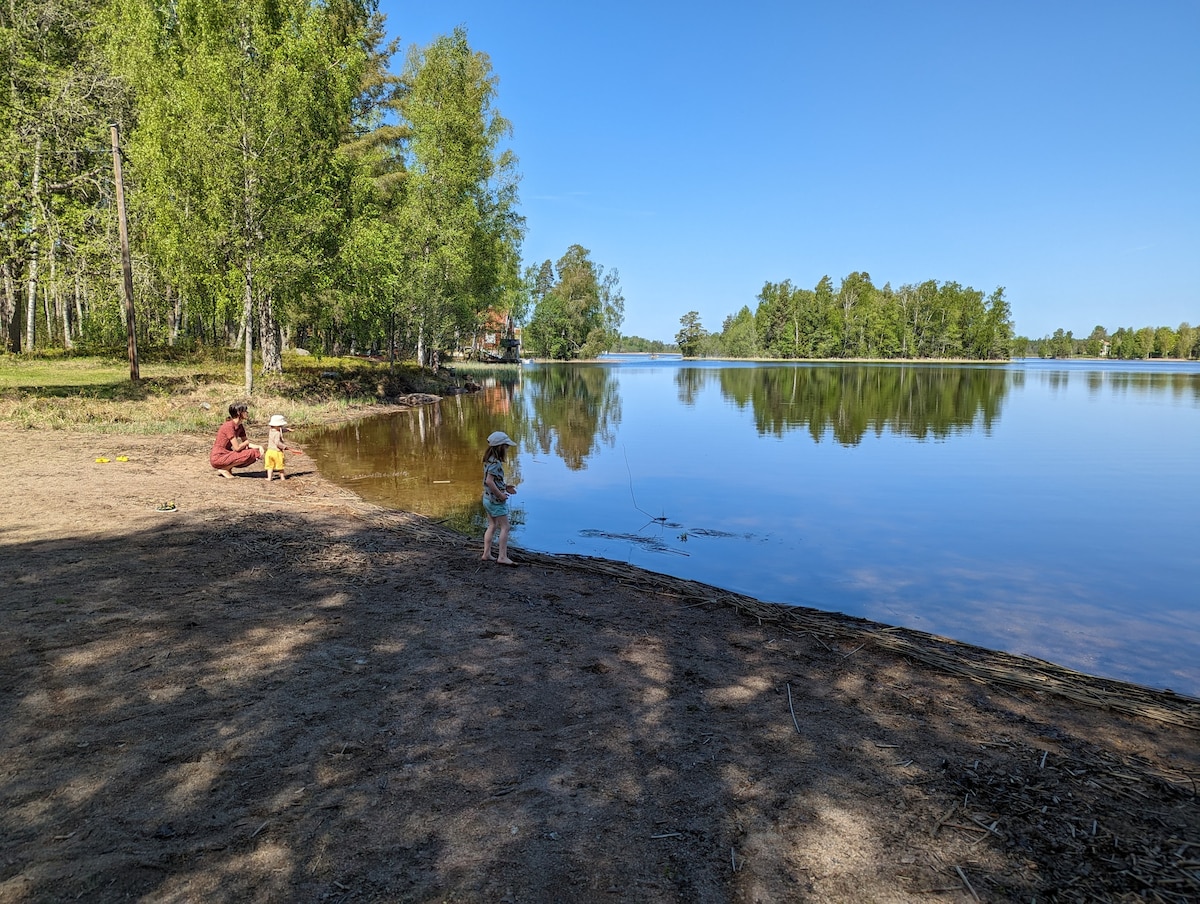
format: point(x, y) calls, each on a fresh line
point(857, 319)
point(578, 308)
point(1127, 343)
point(284, 186)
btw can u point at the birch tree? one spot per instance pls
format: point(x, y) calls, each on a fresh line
point(57, 101)
point(458, 223)
point(244, 104)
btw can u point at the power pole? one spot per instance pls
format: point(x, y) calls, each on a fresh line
point(126, 266)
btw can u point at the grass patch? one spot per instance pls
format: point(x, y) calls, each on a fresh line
point(191, 394)
point(478, 370)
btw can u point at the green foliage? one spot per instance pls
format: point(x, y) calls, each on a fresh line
point(283, 187)
point(1124, 343)
point(1060, 344)
point(459, 230)
point(739, 335)
point(859, 320)
point(55, 172)
point(241, 106)
point(637, 344)
point(552, 333)
point(579, 315)
point(691, 335)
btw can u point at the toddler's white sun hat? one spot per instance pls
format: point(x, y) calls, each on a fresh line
point(277, 421)
point(500, 438)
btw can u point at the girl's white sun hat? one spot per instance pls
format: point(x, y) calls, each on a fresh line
point(500, 438)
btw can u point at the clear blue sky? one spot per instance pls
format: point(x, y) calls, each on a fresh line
point(703, 149)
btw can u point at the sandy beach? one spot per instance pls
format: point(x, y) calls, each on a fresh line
point(278, 692)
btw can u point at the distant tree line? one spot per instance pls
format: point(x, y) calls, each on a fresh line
point(284, 186)
point(1124, 343)
point(636, 344)
point(856, 319)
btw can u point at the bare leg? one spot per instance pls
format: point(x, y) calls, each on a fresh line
point(270, 474)
point(503, 558)
point(487, 539)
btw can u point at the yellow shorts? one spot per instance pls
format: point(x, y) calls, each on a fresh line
point(273, 460)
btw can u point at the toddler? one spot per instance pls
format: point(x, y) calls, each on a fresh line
point(273, 459)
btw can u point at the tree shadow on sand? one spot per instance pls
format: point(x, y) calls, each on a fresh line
point(354, 708)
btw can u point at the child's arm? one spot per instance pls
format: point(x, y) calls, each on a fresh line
point(498, 490)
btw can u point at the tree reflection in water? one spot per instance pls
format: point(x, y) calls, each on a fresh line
point(845, 401)
point(572, 409)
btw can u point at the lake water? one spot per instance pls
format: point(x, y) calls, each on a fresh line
point(1040, 507)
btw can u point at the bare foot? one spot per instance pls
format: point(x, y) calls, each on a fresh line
point(225, 472)
point(507, 562)
point(486, 559)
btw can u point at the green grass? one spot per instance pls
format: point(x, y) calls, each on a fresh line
point(17, 372)
point(191, 393)
point(477, 370)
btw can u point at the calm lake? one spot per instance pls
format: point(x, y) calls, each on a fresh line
point(1041, 507)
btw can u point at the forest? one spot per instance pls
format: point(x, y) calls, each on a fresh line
point(1123, 343)
point(269, 175)
point(931, 320)
point(279, 185)
point(856, 319)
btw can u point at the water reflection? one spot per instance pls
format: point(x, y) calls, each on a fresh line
point(1018, 507)
point(571, 410)
point(1180, 385)
point(848, 401)
point(427, 460)
point(1099, 376)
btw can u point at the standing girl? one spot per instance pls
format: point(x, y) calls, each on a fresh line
point(495, 496)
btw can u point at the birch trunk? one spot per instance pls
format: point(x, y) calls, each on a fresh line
point(32, 280)
point(247, 325)
point(8, 310)
point(78, 304)
point(268, 338)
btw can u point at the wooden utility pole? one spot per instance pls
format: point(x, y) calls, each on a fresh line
point(126, 266)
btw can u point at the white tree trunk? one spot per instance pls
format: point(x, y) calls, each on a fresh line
point(268, 340)
point(78, 304)
point(248, 326)
point(32, 281)
point(8, 309)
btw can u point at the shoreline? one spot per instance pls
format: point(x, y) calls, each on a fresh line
point(952, 656)
point(1039, 658)
point(278, 691)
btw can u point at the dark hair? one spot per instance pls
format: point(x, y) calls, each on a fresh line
point(237, 409)
point(495, 453)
